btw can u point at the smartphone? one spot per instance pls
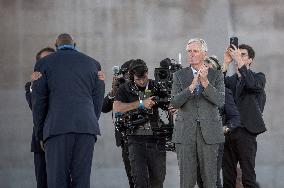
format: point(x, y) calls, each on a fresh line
point(234, 41)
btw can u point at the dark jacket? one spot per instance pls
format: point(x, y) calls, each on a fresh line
point(246, 93)
point(107, 107)
point(35, 145)
point(232, 115)
point(68, 97)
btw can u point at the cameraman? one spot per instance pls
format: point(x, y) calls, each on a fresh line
point(146, 151)
point(107, 107)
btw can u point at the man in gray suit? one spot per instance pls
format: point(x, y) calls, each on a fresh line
point(197, 93)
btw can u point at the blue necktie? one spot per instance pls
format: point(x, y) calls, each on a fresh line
point(199, 87)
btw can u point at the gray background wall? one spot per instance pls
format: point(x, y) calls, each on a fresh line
point(114, 31)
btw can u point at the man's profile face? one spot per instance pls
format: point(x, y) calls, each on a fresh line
point(44, 53)
point(245, 58)
point(195, 54)
point(141, 81)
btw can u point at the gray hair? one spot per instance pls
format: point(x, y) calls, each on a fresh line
point(201, 41)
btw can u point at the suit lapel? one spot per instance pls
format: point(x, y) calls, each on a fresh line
point(186, 77)
point(210, 76)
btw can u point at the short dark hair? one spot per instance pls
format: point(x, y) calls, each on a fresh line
point(47, 49)
point(138, 68)
point(64, 39)
point(251, 52)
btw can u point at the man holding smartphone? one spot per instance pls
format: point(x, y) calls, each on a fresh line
point(249, 95)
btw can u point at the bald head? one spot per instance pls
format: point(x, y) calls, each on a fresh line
point(64, 39)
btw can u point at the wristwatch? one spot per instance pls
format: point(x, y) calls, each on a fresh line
point(141, 104)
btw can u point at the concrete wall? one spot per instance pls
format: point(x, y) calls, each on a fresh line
point(114, 31)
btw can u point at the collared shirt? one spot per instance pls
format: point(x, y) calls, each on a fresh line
point(193, 70)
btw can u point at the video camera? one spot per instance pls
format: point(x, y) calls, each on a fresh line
point(127, 123)
point(118, 70)
point(162, 93)
point(163, 78)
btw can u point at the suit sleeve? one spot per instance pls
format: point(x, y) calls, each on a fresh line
point(28, 94)
point(39, 105)
point(179, 96)
point(216, 93)
point(253, 82)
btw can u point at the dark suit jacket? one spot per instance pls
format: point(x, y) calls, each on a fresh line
point(68, 97)
point(232, 115)
point(245, 95)
point(35, 145)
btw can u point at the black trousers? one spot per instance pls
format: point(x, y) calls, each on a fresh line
point(240, 146)
point(148, 162)
point(126, 161)
point(69, 160)
point(40, 169)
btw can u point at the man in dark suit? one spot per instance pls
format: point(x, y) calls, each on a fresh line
point(39, 155)
point(248, 91)
point(67, 101)
point(197, 93)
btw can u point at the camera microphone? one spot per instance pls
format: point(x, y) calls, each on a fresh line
point(116, 70)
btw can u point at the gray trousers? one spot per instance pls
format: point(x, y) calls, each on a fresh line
point(194, 155)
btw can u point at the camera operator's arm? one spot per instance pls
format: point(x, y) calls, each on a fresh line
point(107, 104)
point(119, 106)
point(109, 98)
point(180, 96)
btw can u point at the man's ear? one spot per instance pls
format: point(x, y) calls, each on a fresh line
point(250, 61)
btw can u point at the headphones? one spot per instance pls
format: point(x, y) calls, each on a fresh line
point(137, 64)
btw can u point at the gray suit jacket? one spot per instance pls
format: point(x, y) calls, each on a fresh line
point(201, 108)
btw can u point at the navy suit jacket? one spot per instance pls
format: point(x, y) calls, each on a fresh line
point(35, 145)
point(68, 97)
point(232, 115)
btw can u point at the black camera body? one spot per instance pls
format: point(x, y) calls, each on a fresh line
point(128, 122)
point(163, 79)
point(162, 93)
